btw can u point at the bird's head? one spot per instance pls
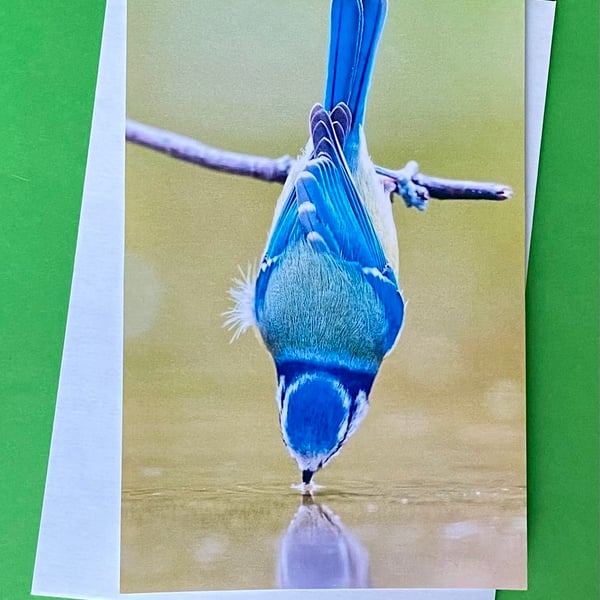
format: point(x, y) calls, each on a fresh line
point(319, 409)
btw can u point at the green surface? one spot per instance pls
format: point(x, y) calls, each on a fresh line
point(49, 60)
point(49, 55)
point(562, 323)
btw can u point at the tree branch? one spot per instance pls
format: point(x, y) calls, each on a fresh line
point(415, 188)
point(192, 151)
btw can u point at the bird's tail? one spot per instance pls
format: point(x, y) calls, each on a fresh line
point(356, 27)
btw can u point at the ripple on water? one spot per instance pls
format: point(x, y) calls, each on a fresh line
point(353, 492)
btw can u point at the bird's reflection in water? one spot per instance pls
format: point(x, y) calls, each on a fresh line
point(317, 551)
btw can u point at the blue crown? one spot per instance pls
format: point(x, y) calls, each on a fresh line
point(319, 409)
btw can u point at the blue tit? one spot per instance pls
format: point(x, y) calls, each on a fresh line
point(325, 299)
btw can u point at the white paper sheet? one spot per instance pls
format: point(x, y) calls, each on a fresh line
point(78, 548)
point(538, 42)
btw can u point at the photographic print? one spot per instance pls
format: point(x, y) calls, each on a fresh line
point(324, 376)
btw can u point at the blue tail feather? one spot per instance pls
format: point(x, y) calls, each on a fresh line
point(344, 39)
point(356, 27)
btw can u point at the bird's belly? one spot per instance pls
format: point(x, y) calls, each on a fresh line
point(319, 308)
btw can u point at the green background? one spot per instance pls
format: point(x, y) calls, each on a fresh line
point(49, 59)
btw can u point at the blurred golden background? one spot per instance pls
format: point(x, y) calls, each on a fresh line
point(206, 478)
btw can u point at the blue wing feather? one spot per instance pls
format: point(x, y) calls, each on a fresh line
point(343, 221)
point(287, 229)
point(339, 204)
point(357, 244)
point(392, 301)
point(309, 192)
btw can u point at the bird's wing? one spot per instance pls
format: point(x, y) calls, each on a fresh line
point(324, 208)
point(334, 219)
point(327, 185)
point(390, 297)
point(286, 231)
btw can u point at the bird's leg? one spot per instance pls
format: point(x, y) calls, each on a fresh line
point(402, 183)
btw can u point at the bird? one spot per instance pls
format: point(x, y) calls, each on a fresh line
point(325, 298)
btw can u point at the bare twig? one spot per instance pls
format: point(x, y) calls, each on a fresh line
point(449, 189)
point(192, 151)
point(415, 188)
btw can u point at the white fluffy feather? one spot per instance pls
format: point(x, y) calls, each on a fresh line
point(240, 316)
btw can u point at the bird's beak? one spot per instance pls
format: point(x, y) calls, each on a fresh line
point(307, 476)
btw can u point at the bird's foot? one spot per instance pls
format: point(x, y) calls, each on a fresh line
point(401, 182)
